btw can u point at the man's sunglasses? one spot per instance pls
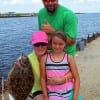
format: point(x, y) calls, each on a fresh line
point(49, 0)
point(40, 44)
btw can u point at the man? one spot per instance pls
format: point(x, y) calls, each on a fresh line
point(56, 17)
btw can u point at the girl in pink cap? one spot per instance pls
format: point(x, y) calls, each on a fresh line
point(56, 64)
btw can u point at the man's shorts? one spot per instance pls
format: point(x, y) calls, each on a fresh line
point(71, 96)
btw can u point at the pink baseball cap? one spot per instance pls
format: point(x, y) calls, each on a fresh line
point(39, 36)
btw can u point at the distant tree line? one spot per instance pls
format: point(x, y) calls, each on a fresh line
point(13, 14)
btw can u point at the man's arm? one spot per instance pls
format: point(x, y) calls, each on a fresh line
point(70, 41)
point(70, 27)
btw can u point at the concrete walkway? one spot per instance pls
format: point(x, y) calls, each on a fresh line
point(88, 63)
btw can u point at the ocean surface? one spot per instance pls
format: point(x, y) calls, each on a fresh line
point(15, 36)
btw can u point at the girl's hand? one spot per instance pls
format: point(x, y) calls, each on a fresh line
point(46, 98)
point(75, 98)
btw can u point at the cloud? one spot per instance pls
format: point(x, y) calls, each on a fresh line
point(9, 2)
point(92, 0)
point(14, 2)
point(3, 3)
point(20, 2)
point(77, 1)
point(36, 1)
point(35, 5)
point(82, 5)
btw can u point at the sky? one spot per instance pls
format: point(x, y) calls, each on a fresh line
point(30, 6)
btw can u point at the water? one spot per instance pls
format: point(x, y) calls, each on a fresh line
point(88, 24)
point(15, 36)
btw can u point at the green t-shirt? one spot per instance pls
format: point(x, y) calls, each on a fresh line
point(62, 19)
point(36, 70)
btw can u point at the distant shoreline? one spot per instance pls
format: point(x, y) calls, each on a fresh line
point(13, 15)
